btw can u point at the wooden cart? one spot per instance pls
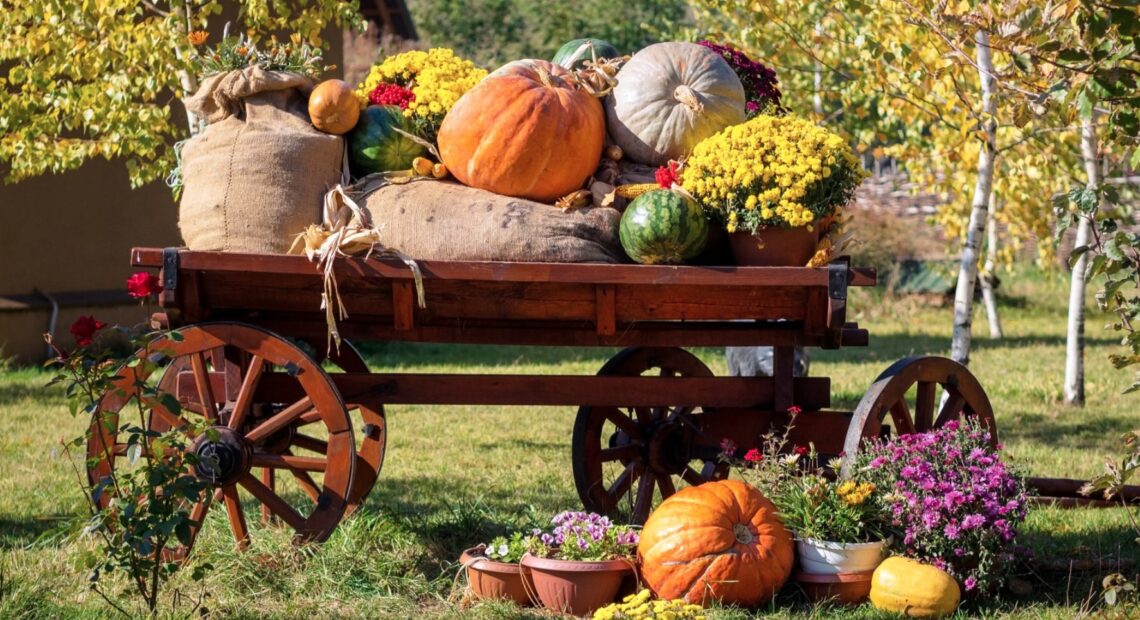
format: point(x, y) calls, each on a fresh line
point(651, 420)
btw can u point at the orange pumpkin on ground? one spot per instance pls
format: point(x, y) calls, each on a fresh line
point(333, 107)
point(721, 541)
point(525, 131)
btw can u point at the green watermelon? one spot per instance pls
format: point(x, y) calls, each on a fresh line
point(663, 227)
point(375, 146)
point(574, 54)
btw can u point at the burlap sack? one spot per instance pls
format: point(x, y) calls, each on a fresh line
point(256, 176)
point(430, 220)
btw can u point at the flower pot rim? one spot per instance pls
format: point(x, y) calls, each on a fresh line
point(540, 563)
point(830, 544)
point(484, 563)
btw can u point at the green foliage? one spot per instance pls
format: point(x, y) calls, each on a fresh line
point(238, 52)
point(82, 79)
point(141, 508)
point(493, 32)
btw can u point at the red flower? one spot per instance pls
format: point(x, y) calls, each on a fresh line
point(795, 410)
point(666, 176)
point(753, 456)
point(143, 284)
point(84, 328)
point(387, 93)
point(801, 450)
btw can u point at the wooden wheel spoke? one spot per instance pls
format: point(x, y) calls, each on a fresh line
point(245, 394)
point(276, 505)
point(900, 414)
point(667, 486)
point(623, 453)
point(951, 409)
point(288, 461)
point(924, 406)
point(308, 485)
point(205, 390)
point(286, 417)
point(691, 476)
point(644, 500)
point(311, 443)
point(622, 421)
point(169, 418)
point(236, 516)
point(623, 483)
point(270, 481)
point(309, 417)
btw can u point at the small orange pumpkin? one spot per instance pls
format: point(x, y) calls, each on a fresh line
point(526, 130)
point(720, 540)
point(333, 107)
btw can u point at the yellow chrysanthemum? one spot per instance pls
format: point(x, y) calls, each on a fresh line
point(437, 78)
point(772, 171)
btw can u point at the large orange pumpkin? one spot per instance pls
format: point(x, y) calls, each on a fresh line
point(720, 540)
point(526, 130)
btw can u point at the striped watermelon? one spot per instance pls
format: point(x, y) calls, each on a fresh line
point(663, 227)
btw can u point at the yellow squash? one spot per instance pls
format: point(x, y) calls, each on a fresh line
point(914, 589)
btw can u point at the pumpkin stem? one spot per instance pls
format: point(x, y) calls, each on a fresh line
point(743, 534)
point(689, 97)
point(545, 77)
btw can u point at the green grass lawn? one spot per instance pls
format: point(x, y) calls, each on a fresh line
point(455, 476)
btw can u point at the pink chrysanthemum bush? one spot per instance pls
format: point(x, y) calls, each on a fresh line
point(952, 501)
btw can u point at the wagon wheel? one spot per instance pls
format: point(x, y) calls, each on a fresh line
point(919, 412)
point(373, 424)
point(374, 427)
point(623, 456)
point(243, 434)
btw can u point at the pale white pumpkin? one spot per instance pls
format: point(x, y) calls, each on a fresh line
point(669, 97)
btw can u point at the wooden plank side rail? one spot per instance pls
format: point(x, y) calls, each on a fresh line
point(568, 390)
point(510, 272)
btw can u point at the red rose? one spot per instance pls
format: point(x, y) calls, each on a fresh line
point(143, 284)
point(84, 328)
point(801, 450)
point(753, 456)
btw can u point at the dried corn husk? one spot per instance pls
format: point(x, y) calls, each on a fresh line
point(346, 230)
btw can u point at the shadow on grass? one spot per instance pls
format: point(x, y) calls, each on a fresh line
point(17, 533)
point(1067, 432)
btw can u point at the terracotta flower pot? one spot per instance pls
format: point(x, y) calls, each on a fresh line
point(490, 579)
point(842, 588)
point(576, 587)
point(774, 247)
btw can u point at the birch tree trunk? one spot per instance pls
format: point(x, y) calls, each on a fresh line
point(1075, 339)
point(968, 268)
point(989, 299)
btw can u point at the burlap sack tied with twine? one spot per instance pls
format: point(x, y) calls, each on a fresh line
point(258, 173)
point(438, 220)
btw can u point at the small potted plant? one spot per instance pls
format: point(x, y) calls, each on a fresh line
point(493, 570)
point(777, 184)
point(840, 526)
point(952, 501)
point(579, 565)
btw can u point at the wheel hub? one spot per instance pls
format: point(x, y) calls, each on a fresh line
point(669, 448)
point(223, 456)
